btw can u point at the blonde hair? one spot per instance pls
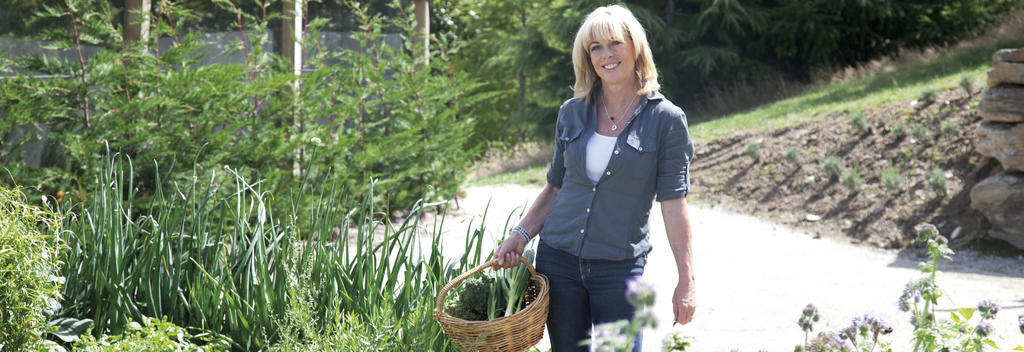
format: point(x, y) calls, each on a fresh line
point(611, 23)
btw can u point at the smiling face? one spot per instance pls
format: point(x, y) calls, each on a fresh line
point(611, 48)
point(613, 59)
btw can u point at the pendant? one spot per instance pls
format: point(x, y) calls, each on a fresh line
point(614, 127)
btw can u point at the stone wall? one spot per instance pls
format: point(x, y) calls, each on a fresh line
point(1001, 136)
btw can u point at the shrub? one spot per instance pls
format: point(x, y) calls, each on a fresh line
point(153, 335)
point(753, 150)
point(920, 133)
point(859, 122)
point(967, 85)
point(851, 179)
point(891, 179)
point(949, 128)
point(832, 167)
point(937, 180)
point(928, 95)
point(29, 262)
point(792, 155)
point(899, 129)
point(378, 114)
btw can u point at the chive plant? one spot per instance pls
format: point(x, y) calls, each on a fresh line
point(213, 255)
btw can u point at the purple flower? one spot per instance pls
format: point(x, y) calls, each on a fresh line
point(983, 329)
point(639, 292)
point(808, 317)
point(609, 336)
point(881, 327)
point(988, 309)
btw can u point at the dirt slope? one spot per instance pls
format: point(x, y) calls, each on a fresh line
point(797, 192)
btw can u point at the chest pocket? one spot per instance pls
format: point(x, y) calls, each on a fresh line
point(567, 138)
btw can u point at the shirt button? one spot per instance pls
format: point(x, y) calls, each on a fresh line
point(588, 210)
point(608, 173)
point(640, 149)
point(581, 230)
point(595, 189)
point(616, 152)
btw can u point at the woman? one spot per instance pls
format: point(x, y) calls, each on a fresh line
point(619, 144)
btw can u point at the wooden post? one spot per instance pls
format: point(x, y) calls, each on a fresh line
point(136, 19)
point(291, 34)
point(421, 34)
point(291, 49)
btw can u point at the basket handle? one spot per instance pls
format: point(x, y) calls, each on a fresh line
point(466, 275)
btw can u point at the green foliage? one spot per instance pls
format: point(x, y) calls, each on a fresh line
point(920, 133)
point(967, 85)
point(676, 342)
point(29, 264)
point(937, 180)
point(832, 166)
point(891, 179)
point(899, 129)
point(859, 122)
point(378, 114)
point(154, 335)
point(930, 332)
point(928, 95)
point(753, 150)
point(214, 255)
point(851, 179)
point(949, 128)
point(473, 299)
point(521, 50)
point(791, 155)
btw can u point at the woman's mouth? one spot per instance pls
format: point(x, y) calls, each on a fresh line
point(611, 66)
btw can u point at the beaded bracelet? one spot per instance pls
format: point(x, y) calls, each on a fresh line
point(522, 232)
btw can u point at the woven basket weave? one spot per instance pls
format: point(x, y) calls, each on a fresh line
point(516, 332)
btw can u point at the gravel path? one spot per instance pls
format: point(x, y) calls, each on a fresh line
point(754, 278)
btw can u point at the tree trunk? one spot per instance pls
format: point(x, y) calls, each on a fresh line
point(421, 34)
point(136, 19)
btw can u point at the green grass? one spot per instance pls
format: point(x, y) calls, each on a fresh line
point(904, 82)
point(531, 176)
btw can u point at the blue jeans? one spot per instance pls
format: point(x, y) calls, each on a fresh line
point(584, 293)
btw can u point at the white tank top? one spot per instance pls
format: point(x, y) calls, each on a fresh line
point(599, 151)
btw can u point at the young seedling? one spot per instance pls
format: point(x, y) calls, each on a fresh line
point(832, 167)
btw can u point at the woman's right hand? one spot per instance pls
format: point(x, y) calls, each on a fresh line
point(510, 250)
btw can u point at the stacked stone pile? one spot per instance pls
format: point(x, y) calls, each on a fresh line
point(1001, 136)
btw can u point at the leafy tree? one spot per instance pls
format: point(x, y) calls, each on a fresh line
point(378, 113)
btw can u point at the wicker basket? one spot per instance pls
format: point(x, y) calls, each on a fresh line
point(516, 332)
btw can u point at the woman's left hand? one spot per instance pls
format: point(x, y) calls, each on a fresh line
point(684, 301)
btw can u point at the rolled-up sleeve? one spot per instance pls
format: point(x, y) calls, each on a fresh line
point(674, 154)
point(556, 172)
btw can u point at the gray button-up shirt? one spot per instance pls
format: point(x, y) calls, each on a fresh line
point(651, 159)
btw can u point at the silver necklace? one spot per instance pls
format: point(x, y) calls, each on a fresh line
point(623, 112)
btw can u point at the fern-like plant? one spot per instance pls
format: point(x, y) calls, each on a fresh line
point(967, 85)
point(859, 122)
point(753, 150)
point(851, 179)
point(891, 179)
point(832, 166)
point(920, 133)
point(949, 128)
point(791, 155)
point(937, 180)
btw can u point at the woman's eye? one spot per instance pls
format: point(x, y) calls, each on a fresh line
point(595, 47)
point(616, 43)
